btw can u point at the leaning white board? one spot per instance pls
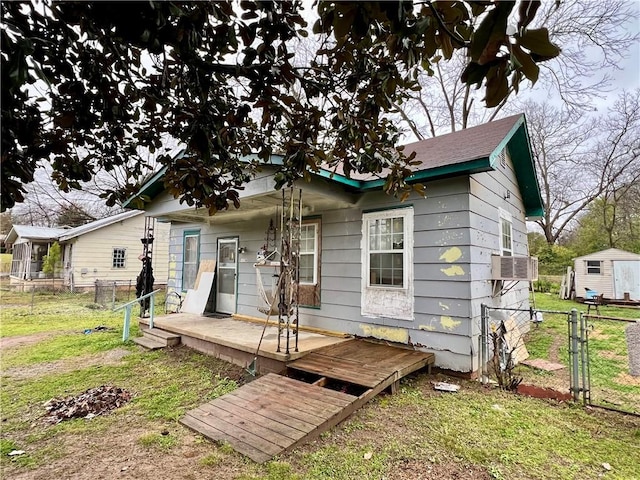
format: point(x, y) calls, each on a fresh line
point(196, 299)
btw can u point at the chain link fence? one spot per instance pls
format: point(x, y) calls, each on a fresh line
point(560, 354)
point(36, 293)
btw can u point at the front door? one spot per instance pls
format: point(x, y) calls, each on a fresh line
point(226, 275)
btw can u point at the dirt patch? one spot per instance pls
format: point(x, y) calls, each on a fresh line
point(554, 349)
point(112, 357)
point(414, 469)
point(598, 335)
point(612, 356)
point(539, 392)
point(119, 453)
point(12, 342)
point(626, 379)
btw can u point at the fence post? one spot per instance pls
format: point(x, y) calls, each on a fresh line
point(95, 297)
point(573, 354)
point(584, 357)
point(33, 295)
point(484, 339)
point(113, 296)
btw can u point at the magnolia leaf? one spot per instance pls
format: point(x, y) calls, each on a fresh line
point(537, 41)
point(526, 63)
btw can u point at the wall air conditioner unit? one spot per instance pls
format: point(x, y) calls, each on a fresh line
point(514, 268)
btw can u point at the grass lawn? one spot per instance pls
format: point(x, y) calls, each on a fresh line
point(611, 384)
point(477, 433)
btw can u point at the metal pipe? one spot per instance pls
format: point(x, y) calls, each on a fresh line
point(573, 352)
point(484, 347)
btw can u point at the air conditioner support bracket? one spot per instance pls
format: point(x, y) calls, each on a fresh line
point(502, 287)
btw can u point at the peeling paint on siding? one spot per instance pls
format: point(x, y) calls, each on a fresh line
point(428, 328)
point(451, 255)
point(452, 271)
point(443, 306)
point(449, 323)
point(400, 335)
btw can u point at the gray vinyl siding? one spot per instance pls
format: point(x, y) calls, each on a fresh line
point(455, 233)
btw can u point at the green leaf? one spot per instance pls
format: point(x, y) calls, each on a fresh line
point(525, 63)
point(474, 73)
point(537, 41)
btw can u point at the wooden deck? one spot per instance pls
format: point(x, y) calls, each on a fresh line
point(274, 414)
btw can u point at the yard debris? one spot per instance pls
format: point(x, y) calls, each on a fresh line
point(446, 387)
point(89, 404)
point(606, 466)
point(542, 364)
point(368, 455)
point(15, 453)
point(99, 328)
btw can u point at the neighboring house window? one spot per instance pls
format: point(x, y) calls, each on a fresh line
point(506, 234)
point(190, 259)
point(119, 258)
point(387, 264)
point(594, 267)
point(308, 254)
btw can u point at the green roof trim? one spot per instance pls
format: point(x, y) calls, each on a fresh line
point(519, 147)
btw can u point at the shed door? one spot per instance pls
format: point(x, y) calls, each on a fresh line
point(226, 275)
point(626, 279)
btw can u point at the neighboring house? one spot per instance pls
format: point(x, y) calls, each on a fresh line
point(613, 273)
point(29, 244)
point(413, 272)
point(105, 250)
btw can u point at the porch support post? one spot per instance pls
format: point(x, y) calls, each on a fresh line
point(151, 308)
point(127, 323)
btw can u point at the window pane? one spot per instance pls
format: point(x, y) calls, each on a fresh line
point(507, 244)
point(398, 225)
point(398, 241)
point(307, 239)
point(189, 276)
point(227, 282)
point(374, 235)
point(119, 255)
point(190, 249)
point(386, 269)
point(594, 267)
point(306, 268)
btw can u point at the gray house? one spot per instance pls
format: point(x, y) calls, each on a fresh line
point(413, 272)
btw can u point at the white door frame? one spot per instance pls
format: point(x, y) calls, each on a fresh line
point(227, 275)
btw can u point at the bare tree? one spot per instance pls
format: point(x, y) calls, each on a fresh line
point(579, 160)
point(593, 39)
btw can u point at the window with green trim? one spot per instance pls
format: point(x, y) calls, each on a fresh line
point(190, 259)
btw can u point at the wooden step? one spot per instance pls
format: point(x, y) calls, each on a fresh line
point(149, 343)
point(169, 339)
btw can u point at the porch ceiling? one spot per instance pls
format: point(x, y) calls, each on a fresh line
point(266, 204)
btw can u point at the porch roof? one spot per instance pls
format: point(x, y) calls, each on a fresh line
point(33, 232)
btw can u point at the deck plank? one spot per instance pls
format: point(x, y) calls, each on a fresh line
point(245, 422)
point(269, 419)
point(217, 435)
point(274, 414)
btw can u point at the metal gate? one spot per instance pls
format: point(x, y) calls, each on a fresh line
point(566, 341)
